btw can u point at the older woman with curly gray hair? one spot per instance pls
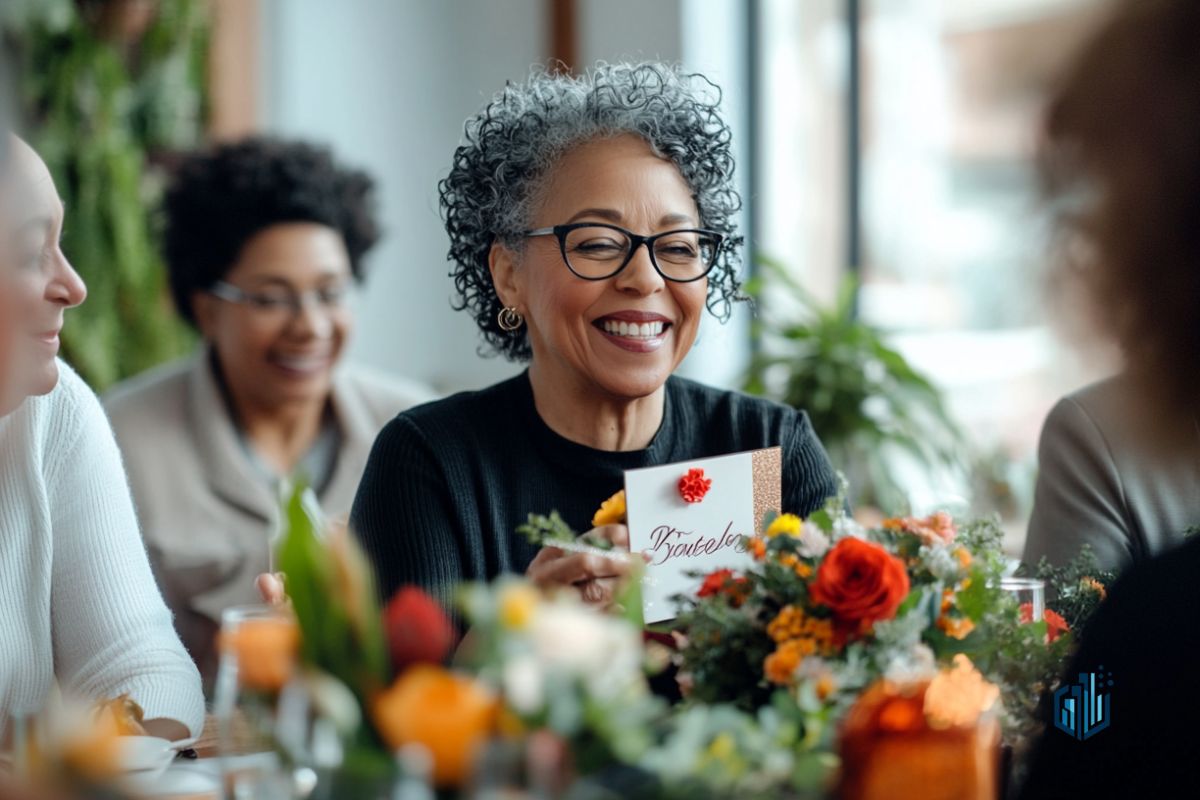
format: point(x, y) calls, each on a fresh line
point(559, 184)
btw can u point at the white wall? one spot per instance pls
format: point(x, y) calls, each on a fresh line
point(388, 83)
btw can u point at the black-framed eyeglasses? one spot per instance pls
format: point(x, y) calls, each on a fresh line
point(281, 301)
point(595, 251)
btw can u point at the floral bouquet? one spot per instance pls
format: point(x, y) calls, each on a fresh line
point(534, 667)
point(376, 673)
point(565, 672)
point(830, 608)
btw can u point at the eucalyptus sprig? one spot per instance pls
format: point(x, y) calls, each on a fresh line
point(551, 531)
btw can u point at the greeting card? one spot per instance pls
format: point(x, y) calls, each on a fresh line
point(690, 517)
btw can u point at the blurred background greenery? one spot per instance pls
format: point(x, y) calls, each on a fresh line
point(109, 89)
point(871, 408)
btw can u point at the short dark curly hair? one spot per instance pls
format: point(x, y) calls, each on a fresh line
point(512, 143)
point(221, 198)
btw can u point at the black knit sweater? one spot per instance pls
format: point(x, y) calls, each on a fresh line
point(448, 482)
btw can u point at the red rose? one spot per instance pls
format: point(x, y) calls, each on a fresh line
point(861, 583)
point(418, 630)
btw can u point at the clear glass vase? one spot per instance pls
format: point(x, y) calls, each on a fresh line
point(258, 646)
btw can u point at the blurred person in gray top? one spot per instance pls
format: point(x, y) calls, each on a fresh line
point(1119, 461)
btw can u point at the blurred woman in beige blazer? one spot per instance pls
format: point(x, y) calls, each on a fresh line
point(264, 239)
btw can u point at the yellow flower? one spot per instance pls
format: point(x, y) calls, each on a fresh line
point(611, 512)
point(509, 725)
point(785, 524)
point(517, 603)
point(722, 747)
point(825, 686)
point(964, 556)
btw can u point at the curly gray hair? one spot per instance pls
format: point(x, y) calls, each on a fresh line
point(512, 143)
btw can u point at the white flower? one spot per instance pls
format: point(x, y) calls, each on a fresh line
point(941, 561)
point(845, 525)
point(572, 640)
point(567, 636)
point(902, 632)
point(814, 542)
point(908, 666)
point(523, 680)
point(814, 667)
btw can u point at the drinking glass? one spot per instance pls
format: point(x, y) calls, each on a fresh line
point(1030, 593)
point(257, 647)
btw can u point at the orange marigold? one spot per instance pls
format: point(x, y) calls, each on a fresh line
point(758, 548)
point(793, 562)
point(822, 632)
point(1095, 585)
point(955, 627)
point(788, 624)
point(780, 666)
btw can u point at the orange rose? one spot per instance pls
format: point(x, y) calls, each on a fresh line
point(451, 715)
point(861, 582)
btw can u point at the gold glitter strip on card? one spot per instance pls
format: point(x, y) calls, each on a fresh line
point(767, 475)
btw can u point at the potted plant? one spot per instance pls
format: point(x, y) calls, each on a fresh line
point(868, 405)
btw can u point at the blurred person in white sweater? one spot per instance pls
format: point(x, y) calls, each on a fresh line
point(78, 603)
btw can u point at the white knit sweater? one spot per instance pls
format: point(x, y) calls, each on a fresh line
point(77, 598)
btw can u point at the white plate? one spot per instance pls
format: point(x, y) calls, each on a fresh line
point(148, 754)
point(183, 778)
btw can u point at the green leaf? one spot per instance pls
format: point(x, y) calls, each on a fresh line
point(973, 601)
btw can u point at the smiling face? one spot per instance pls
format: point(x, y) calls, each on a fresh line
point(38, 282)
point(625, 335)
point(270, 355)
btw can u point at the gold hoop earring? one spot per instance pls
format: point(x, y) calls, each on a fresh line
point(509, 320)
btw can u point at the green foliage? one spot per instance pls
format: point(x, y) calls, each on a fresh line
point(1072, 588)
point(333, 596)
point(725, 649)
point(95, 108)
point(543, 530)
point(863, 397)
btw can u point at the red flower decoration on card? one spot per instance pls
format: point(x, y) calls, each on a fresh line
point(693, 486)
